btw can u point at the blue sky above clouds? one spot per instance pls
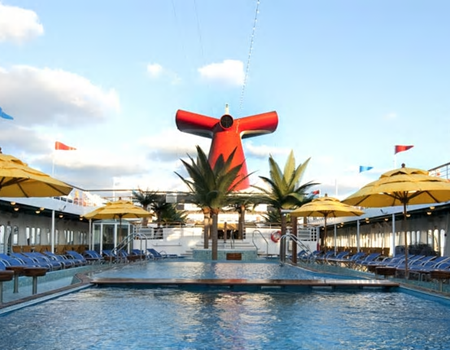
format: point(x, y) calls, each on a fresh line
point(349, 79)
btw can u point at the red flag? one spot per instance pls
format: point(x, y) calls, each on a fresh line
point(402, 148)
point(315, 193)
point(59, 146)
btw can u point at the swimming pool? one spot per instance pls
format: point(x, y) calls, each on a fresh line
point(214, 270)
point(130, 318)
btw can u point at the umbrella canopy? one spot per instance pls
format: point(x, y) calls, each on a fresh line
point(404, 186)
point(326, 207)
point(17, 179)
point(118, 210)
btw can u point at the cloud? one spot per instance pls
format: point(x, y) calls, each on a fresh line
point(390, 116)
point(229, 72)
point(18, 25)
point(40, 96)
point(263, 151)
point(155, 70)
point(171, 145)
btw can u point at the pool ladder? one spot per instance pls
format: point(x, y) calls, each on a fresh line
point(299, 243)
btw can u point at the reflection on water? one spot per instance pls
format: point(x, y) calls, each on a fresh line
point(208, 270)
point(111, 318)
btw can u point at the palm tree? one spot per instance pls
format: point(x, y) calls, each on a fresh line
point(159, 206)
point(211, 186)
point(144, 198)
point(172, 215)
point(242, 203)
point(285, 191)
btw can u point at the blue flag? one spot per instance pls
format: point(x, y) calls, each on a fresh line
point(4, 115)
point(364, 168)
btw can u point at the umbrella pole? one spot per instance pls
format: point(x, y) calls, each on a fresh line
point(325, 231)
point(406, 240)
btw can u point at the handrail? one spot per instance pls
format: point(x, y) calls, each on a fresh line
point(296, 240)
point(264, 238)
point(122, 244)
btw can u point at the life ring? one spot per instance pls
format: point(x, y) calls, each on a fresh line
point(275, 236)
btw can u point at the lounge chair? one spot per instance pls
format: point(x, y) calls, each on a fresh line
point(362, 264)
point(139, 253)
point(110, 256)
point(54, 265)
point(334, 260)
point(77, 257)
point(63, 260)
point(351, 261)
point(423, 272)
point(30, 262)
point(93, 256)
point(155, 255)
point(323, 257)
point(11, 261)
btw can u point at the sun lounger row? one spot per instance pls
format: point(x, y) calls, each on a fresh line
point(48, 260)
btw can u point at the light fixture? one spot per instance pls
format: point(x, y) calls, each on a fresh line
point(386, 219)
point(38, 211)
point(41, 208)
point(61, 215)
point(16, 209)
point(408, 215)
point(13, 203)
point(431, 208)
point(428, 212)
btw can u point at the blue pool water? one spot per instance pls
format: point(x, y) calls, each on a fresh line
point(214, 270)
point(128, 318)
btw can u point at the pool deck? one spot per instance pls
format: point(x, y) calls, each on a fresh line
point(245, 283)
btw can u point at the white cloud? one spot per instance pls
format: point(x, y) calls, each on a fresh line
point(155, 70)
point(172, 144)
point(390, 116)
point(228, 72)
point(34, 95)
point(18, 25)
point(264, 151)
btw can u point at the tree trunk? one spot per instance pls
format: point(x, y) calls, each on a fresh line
point(283, 240)
point(241, 222)
point(206, 228)
point(145, 220)
point(294, 244)
point(214, 236)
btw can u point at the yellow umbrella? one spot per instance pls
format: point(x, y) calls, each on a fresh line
point(326, 207)
point(404, 186)
point(17, 179)
point(118, 209)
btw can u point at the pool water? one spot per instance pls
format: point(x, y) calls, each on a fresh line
point(131, 318)
point(109, 318)
point(214, 270)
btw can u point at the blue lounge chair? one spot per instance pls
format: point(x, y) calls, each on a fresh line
point(155, 255)
point(337, 258)
point(66, 263)
point(77, 257)
point(112, 257)
point(54, 265)
point(352, 260)
point(322, 258)
point(93, 256)
point(362, 264)
point(31, 262)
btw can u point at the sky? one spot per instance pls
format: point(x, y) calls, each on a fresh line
point(349, 80)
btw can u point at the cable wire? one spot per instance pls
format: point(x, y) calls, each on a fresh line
point(247, 68)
